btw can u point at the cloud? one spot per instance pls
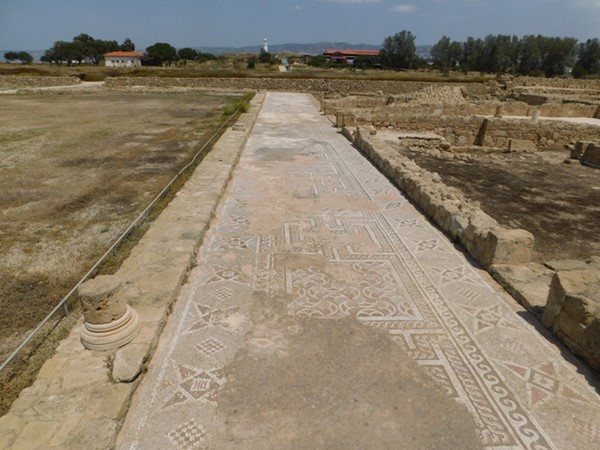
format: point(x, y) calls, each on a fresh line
point(296, 7)
point(404, 9)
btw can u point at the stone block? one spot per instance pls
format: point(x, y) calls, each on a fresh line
point(510, 246)
point(529, 284)
point(573, 312)
point(591, 156)
point(521, 145)
point(129, 362)
point(458, 226)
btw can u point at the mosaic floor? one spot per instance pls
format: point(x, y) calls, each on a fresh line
point(309, 225)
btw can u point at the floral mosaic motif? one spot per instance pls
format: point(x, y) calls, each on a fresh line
point(370, 297)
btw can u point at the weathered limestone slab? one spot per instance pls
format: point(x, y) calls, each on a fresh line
point(128, 362)
point(529, 284)
point(521, 145)
point(574, 264)
point(573, 312)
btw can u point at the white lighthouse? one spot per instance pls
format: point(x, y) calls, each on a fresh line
point(265, 46)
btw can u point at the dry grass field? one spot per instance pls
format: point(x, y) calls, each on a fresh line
point(75, 170)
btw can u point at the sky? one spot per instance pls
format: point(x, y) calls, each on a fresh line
point(37, 24)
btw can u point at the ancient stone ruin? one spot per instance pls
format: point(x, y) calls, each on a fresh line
point(465, 123)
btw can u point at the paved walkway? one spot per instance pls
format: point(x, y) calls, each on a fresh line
point(326, 312)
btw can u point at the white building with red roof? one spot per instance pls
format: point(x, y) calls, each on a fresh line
point(123, 59)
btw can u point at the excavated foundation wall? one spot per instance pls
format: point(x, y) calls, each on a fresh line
point(271, 84)
point(15, 82)
point(492, 132)
point(569, 83)
point(516, 108)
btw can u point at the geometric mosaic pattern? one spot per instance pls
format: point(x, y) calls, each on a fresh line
point(187, 436)
point(346, 243)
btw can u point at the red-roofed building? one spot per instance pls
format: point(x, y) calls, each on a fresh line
point(348, 55)
point(123, 59)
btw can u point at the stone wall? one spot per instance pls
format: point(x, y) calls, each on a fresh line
point(569, 83)
point(486, 241)
point(15, 81)
point(363, 106)
point(573, 309)
point(313, 85)
point(492, 132)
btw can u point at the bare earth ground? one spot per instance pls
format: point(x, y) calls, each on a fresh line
point(559, 203)
point(75, 170)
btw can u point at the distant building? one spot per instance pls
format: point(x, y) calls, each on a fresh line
point(348, 56)
point(123, 59)
point(265, 46)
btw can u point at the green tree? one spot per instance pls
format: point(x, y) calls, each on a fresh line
point(25, 58)
point(265, 57)
point(317, 61)
point(530, 55)
point(93, 50)
point(251, 63)
point(472, 54)
point(499, 53)
point(65, 52)
point(589, 56)
point(162, 53)
point(366, 62)
point(128, 45)
point(11, 56)
point(399, 51)
point(446, 54)
point(187, 54)
point(559, 54)
point(203, 57)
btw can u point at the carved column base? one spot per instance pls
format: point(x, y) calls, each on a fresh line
point(109, 336)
